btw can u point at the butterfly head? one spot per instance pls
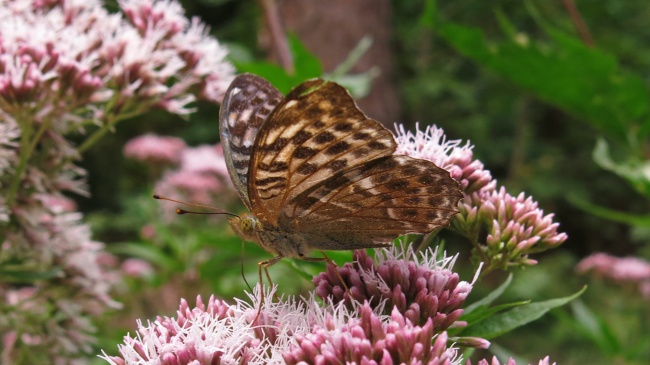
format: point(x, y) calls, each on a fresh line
point(246, 226)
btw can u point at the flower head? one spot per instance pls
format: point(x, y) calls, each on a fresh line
point(68, 57)
point(622, 270)
point(618, 269)
point(153, 149)
point(515, 227)
point(201, 177)
point(288, 333)
point(201, 335)
point(422, 288)
point(369, 340)
point(511, 361)
point(451, 155)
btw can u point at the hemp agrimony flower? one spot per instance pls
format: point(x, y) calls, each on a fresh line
point(421, 286)
point(69, 67)
point(504, 229)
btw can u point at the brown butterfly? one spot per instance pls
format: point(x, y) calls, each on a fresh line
point(316, 173)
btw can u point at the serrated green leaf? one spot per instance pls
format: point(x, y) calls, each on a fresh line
point(499, 324)
point(598, 91)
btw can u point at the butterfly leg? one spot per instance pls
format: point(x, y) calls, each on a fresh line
point(329, 261)
point(264, 265)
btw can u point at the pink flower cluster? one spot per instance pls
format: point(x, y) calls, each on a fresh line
point(367, 340)
point(201, 177)
point(515, 225)
point(155, 150)
point(290, 332)
point(73, 60)
point(421, 288)
point(193, 174)
point(451, 155)
point(622, 270)
point(66, 67)
point(511, 361)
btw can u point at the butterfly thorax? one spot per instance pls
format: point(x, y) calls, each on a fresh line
point(270, 238)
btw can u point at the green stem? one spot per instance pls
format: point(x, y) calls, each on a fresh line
point(98, 134)
point(90, 141)
point(26, 149)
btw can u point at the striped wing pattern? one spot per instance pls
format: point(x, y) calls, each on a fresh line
point(246, 105)
point(315, 132)
point(373, 203)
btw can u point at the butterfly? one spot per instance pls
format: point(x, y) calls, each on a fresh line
point(317, 174)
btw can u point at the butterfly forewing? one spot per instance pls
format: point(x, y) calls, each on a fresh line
point(246, 105)
point(315, 132)
point(374, 202)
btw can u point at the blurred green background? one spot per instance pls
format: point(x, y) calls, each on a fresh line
point(555, 109)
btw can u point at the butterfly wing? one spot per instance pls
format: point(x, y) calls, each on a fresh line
point(315, 132)
point(246, 105)
point(373, 203)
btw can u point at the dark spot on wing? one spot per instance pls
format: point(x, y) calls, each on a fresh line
point(397, 185)
point(324, 137)
point(307, 168)
point(343, 127)
point(301, 137)
point(304, 152)
point(338, 148)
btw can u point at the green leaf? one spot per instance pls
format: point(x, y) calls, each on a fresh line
point(17, 274)
point(429, 17)
point(305, 66)
point(635, 170)
point(488, 299)
point(594, 327)
point(275, 74)
point(353, 57)
point(483, 312)
point(583, 81)
point(499, 324)
point(613, 215)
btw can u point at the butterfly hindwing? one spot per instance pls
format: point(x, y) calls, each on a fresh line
point(246, 105)
point(373, 203)
point(315, 132)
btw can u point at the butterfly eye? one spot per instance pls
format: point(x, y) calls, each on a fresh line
point(249, 224)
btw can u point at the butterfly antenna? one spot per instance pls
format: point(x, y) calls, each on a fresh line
point(183, 211)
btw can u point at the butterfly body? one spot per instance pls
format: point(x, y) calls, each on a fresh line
point(316, 173)
point(275, 240)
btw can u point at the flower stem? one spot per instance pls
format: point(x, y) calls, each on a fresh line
point(90, 141)
point(110, 124)
point(27, 146)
